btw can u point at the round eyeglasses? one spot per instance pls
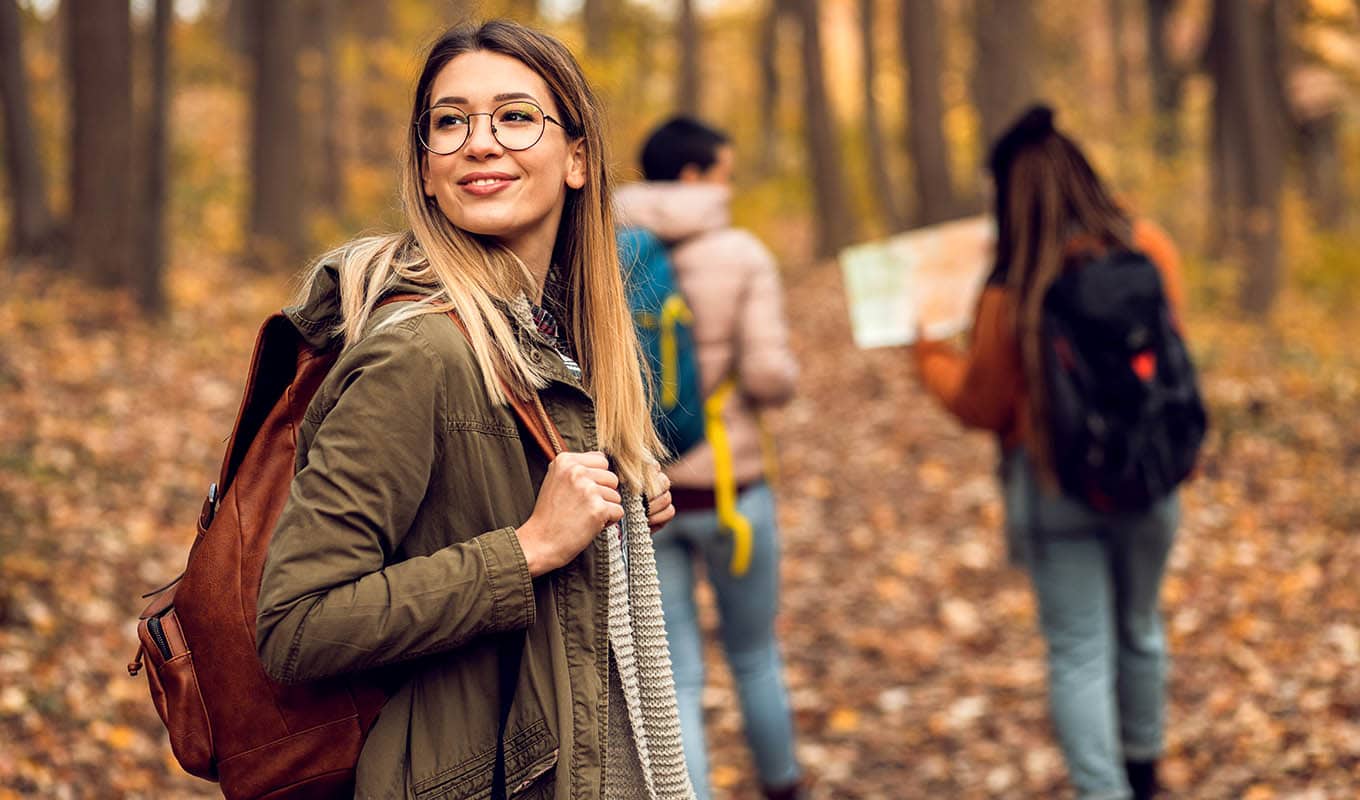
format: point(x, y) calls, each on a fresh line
point(517, 125)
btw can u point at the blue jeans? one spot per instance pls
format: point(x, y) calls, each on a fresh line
point(1097, 577)
point(746, 608)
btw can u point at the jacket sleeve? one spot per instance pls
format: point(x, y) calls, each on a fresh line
point(332, 598)
point(980, 387)
point(1152, 240)
point(765, 363)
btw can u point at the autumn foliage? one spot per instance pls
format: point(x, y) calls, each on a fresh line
point(914, 661)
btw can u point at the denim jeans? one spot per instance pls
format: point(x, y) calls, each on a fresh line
point(1097, 577)
point(746, 609)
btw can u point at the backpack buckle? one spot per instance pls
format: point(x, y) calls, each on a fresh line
point(205, 517)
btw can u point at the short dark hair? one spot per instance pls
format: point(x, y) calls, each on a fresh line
point(678, 142)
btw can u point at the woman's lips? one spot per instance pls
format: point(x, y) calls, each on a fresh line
point(483, 184)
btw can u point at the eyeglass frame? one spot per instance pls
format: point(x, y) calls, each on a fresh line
point(420, 137)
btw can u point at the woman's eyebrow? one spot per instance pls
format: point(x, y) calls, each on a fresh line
point(455, 101)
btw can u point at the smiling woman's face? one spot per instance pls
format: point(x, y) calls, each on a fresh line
point(483, 188)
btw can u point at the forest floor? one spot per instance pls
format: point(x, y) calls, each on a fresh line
point(912, 654)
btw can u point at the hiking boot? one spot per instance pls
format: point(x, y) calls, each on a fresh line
point(793, 791)
point(1142, 778)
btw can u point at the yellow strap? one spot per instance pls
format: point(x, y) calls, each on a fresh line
point(724, 480)
point(673, 312)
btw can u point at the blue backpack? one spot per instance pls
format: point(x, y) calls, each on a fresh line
point(665, 331)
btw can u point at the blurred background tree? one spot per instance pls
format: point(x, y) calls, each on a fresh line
point(30, 222)
point(918, 22)
point(269, 129)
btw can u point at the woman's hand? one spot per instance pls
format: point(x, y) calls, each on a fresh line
point(918, 347)
point(659, 508)
point(578, 499)
point(921, 337)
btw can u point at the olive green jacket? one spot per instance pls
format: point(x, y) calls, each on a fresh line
point(397, 550)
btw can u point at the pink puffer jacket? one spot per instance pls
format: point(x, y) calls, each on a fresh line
point(732, 285)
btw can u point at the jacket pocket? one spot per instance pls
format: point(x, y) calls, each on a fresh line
point(531, 755)
point(536, 776)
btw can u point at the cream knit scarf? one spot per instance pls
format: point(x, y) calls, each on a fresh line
point(645, 760)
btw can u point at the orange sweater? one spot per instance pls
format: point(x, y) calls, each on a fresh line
point(985, 387)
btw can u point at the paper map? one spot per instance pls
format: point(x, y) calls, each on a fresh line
point(931, 274)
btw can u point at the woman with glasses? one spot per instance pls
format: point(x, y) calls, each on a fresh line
point(507, 601)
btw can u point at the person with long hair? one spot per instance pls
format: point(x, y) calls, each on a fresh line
point(426, 541)
point(1097, 575)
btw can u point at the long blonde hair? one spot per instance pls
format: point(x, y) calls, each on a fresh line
point(468, 273)
point(1046, 193)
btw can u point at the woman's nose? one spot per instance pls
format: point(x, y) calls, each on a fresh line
point(482, 139)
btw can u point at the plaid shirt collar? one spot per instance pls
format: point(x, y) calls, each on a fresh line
point(548, 327)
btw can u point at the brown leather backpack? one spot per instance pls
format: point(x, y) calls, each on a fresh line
point(229, 721)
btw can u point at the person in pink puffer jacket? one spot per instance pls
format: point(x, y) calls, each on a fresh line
point(731, 283)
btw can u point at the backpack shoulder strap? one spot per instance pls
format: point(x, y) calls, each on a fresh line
point(275, 363)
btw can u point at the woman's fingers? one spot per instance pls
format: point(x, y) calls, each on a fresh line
point(662, 485)
point(613, 512)
point(660, 508)
point(659, 518)
point(603, 477)
point(659, 502)
point(593, 459)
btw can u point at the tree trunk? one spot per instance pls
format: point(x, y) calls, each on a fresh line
point(276, 205)
point(99, 34)
point(236, 25)
point(322, 111)
point(596, 18)
point(370, 24)
point(885, 189)
point(149, 283)
point(640, 59)
point(688, 40)
point(1119, 61)
point(31, 226)
point(1003, 80)
point(1226, 190)
point(1314, 96)
point(769, 84)
point(1166, 78)
point(920, 37)
point(1252, 127)
point(834, 220)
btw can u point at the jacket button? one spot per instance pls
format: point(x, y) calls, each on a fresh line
point(536, 356)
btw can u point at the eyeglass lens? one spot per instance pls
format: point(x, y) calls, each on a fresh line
point(517, 126)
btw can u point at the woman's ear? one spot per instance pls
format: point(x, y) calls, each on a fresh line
point(425, 175)
point(577, 164)
point(690, 173)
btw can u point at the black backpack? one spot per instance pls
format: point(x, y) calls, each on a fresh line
point(1124, 410)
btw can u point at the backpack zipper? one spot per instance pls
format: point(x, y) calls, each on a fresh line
point(157, 632)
